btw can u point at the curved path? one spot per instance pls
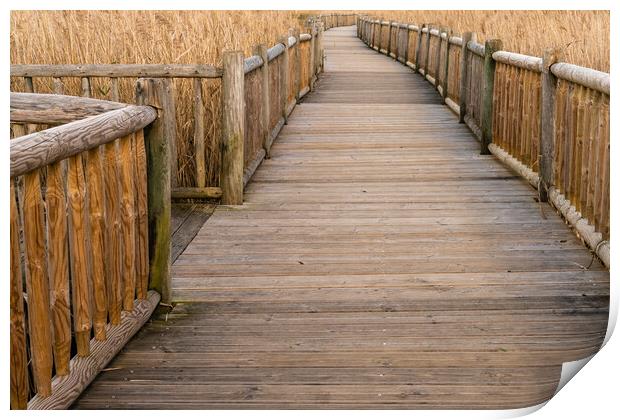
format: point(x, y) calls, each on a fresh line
point(378, 262)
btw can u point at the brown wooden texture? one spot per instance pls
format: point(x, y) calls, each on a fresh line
point(253, 129)
point(37, 282)
point(454, 72)
point(199, 133)
point(582, 151)
point(433, 56)
point(58, 258)
point(474, 87)
point(142, 228)
point(412, 46)
point(18, 352)
point(275, 86)
point(517, 104)
point(128, 219)
point(304, 62)
point(378, 262)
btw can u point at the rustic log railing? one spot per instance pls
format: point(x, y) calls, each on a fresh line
point(547, 120)
point(87, 257)
point(194, 146)
point(90, 197)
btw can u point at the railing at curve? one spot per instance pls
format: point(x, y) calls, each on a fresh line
point(546, 119)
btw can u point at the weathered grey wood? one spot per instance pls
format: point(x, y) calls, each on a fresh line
point(199, 133)
point(456, 40)
point(296, 57)
point(115, 70)
point(547, 125)
point(418, 67)
point(86, 89)
point(519, 60)
point(66, 389)
point(28, 84)
point(188, 219)
point(311, 62)
point(169, 116)
point(285, 82)
point(305, 37)
point(252, 63)
point(233, 117)
point(36, 108)
point(429, 29)
point(196, 193)
point(275, 51)
point(589, 78)
point(488, 78)
point(476, 48)
point(261, 51)
point(464, 75)
point(253, 165)
point(49, 146)
point(153, 92)
point(446, 69)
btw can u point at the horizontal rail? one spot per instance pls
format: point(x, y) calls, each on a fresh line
point(476, 48)
point(589, 78)
point(456, 40)
point(252, 63)
point(49, 146)
point(116, 70)
point(36, 108)
point(519, 60)
point(305, 37)
point(275, 51)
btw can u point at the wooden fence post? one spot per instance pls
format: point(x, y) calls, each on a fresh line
point(199, 134)
point(547, 125)
point(446, 69)
point(153, 92)
point(261, 50)
point(318, 56)
point(297, 58)
point(406, 44)
point(233, 119)
point(428, 49)
point(389, 38)
point(463, 87)
point(311, 73)
point(419, 48)
point(488, 78)
point(284, 81)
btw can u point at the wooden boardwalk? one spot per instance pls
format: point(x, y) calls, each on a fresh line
point(378, 262)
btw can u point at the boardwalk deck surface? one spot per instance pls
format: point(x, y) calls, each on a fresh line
point(378, 262)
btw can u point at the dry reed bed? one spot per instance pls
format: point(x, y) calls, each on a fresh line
point(147, 37)
point(581, 35)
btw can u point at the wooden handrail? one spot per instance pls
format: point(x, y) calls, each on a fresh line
point(34, 108)
point(45, 147)
point(116, 70)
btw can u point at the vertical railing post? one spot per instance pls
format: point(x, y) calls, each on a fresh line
point(446, 69)
point(406, 44)
point(285, 78)
point(311, 73)
point(233, 119)
point(389, 39)
point(153, 92)
point(297, 58)
point(463, 87)
point(261, 51)
point(438, 56)
point(419, 48)
point(547, 126)
point(319, 39)
point(428, 49)
point(488, 78)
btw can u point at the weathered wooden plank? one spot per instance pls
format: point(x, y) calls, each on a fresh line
point(58, 258)
point(128, 219)
point(18, 354)
point(115, 70)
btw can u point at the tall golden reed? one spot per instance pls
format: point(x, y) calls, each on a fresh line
point(78, 37)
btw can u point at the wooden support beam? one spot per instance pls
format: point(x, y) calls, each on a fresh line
point(153, 92)
point(547, 125)
point(233, 117)
point(464, 75)
point(199, 134)
point(428, 49)
point(488, 80)
point(446, 68)
point(418, 48)
point(196, 193)
point(261, 50)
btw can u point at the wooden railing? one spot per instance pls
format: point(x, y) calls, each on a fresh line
point(199, 145)
point(89, 205)
point(547, 120)
point(335, 20)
